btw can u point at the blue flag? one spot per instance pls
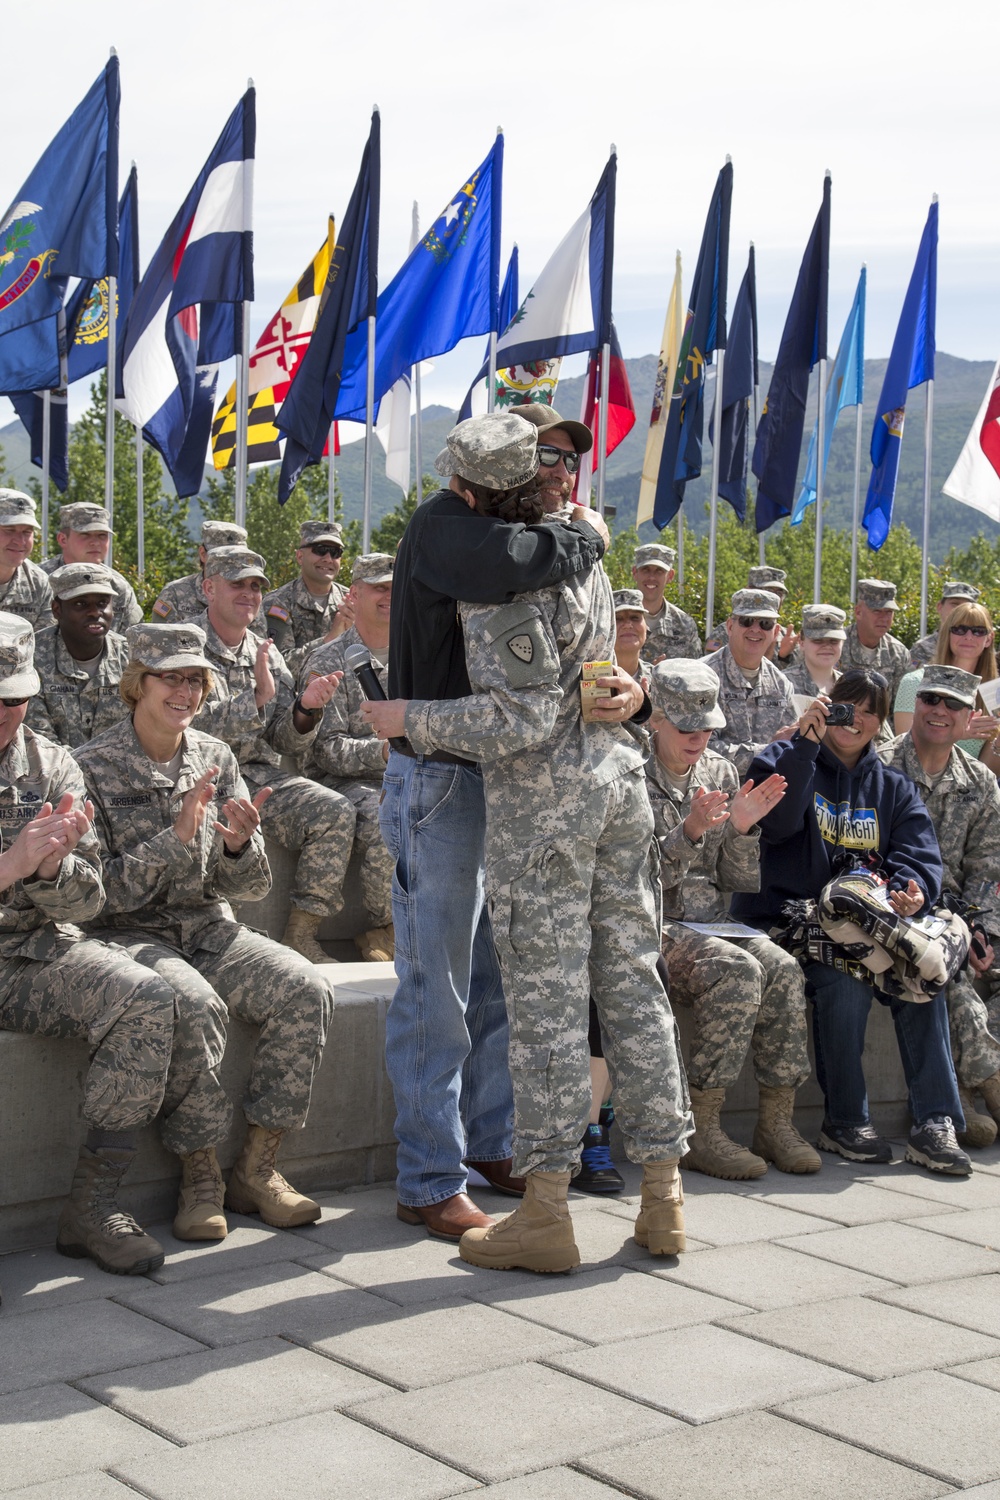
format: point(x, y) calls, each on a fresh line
point(739, 378)
point(803, 342)
point(349, 298)
point(910, 363)
point(446, 290)
point(509, 303)
point(846, 387)
point(704, 332)
point(84, 342)
point(63, 223)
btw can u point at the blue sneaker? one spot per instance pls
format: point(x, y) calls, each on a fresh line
point(597, 1174)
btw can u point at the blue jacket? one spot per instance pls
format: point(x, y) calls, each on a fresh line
point(829, 806)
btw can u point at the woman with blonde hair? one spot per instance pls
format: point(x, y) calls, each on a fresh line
point(965, 640)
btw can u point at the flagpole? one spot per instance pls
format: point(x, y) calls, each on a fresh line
point(331, 474)
point(109, 414)
point(761, 547)
point(820, 466)
point(418, 452)
point(242, 401)
point(856, 508)
point(46, 451)
point(366, 532)
point(680, 552)
point(928, 437)
point(713, 513)
point(140, 514)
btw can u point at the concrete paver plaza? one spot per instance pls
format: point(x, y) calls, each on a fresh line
point(834, 1337)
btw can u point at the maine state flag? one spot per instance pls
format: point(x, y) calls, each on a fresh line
point(446, 290)
point(846, 387)
point(910, 363)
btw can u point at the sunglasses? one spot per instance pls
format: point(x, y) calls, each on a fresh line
point(977, 630)
point(747, 622)
point(13, 702)
point(936, 700)
point(549, 457)
point(322, 549)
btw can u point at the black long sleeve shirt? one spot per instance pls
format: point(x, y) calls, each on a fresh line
point(449, 552)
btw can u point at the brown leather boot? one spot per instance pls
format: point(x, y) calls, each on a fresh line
point(257, 1187)
point(710, 1150)
point(980, 1130)
point(990, 1090)
point(660, 1225)
point(775, 1137)
point(200, 1213)
point(92, 1224)
point(300, 934)
point(537, 1236)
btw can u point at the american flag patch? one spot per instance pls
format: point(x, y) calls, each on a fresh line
point(278, 613)
point(163, 608)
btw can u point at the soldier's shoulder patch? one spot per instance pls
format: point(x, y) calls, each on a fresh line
point(522, 646)
point(163, 607)
point(277, 611)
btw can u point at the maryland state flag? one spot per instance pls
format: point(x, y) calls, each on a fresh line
point(273, 363)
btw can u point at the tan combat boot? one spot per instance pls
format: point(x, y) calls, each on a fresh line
point(91, 1222)
point(257, 1187)
point(537, 1236)
point(710, 1149)
point(990, 1090)
point(775, 1137)
point(660, 1225)
point(378, 946)
point(979, 1130)
point(300, 934)
point(199, 1206)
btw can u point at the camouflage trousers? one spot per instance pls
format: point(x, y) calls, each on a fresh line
point(974, 1049)
point(123, 1012)
point(744, 993)
point(258, 980)
point(301, 814)
point(377, 864)
point(574, 916)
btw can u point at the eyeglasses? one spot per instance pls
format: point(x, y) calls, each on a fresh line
point(747, 622)
point(549, 457)
point(977, 630)
point(321, 549)
point(13, 702)
point(936, 700)
point(175, 680)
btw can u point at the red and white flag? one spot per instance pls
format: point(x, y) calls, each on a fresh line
point(975, 479)
point(621, 411)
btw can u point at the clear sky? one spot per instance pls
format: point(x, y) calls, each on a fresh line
point(898, 102)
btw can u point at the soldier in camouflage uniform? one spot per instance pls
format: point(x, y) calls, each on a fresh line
point(746, 991)
point(869, 643)
point(184, 598)
point(24, 588)
point(84, 536)
point(631, 633)
point(774, 581)
point(670, 632)
point(253, 707)
point(79, 659)
point(571, 874)
point(53, 983)
point(308, 610)
point(180, 839)
point(345, 754)
point(823, 633)
point(953, 594)
point(754, 696)
point(963, 800)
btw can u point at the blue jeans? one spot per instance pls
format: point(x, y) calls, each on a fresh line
point(840, 1017)
point(446, 1030)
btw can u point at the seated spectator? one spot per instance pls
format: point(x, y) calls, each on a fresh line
point(966, 642)
point(345, 754)
point(630, 633)
point(24, 588)
point(671, 633)
point(953, 594)
point(963, 800)
point(53, 982)
point(309, 609)
point(869, 642)
point(842, 807)
point(774, 581)
point(180, 838)
point(84, 536)
point(184, 598)
point(755, 698)
point(79, 659)
point(819, 644)
point(746, 993)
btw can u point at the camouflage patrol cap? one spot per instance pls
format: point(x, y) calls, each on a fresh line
point(877, 593)
point(955, 590)
point(164, 648)
point(222, 534)
point(626, 599)
point(73, 580)
point(772, 579)
point(311, 532)
point(823, 622)
point(687, 695)
point(83, 517)
point(17, 509)
point(654, 555)
point(372, 567)
point(546, 418)
point(18, 678)
point(496, 451)
point(234, 564)
point(760, 602)
point(950, 682)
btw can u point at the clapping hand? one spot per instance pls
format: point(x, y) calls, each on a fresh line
point(752, 802)
point(263, 676)
point(242, 820)
point(708, 810)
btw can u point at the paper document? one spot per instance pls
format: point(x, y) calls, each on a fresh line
point(990, 694)
point(723, 929)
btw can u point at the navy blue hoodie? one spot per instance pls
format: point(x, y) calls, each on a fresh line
point(829, 806)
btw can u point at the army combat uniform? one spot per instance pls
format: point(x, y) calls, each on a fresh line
point(128, 610)
point(924, 650)
point(28, 593)
point(671, 633)
point(293, 617)
point(346, 756)
point(74, 705)
point(183, 600)
point(168, 906)
point(754, 711)
point(890, 657)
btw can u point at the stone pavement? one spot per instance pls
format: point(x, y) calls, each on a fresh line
point(833, 1337)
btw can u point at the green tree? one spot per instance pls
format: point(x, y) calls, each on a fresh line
point(273, 529)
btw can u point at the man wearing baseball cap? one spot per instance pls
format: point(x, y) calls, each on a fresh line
point(953, 594)
point(84, 536)
point(869, 642)
point(561, 443)
point(80, 658)
point(671, 633)
point(184, 598)
point(24, 588)
point(755, 697)
point(308, 609)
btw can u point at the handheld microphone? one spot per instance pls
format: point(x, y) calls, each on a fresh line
point(358, 659)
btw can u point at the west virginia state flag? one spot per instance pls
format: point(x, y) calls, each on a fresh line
point(276, 357)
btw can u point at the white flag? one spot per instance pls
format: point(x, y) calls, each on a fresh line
point(975, 479)
point(393, 432)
